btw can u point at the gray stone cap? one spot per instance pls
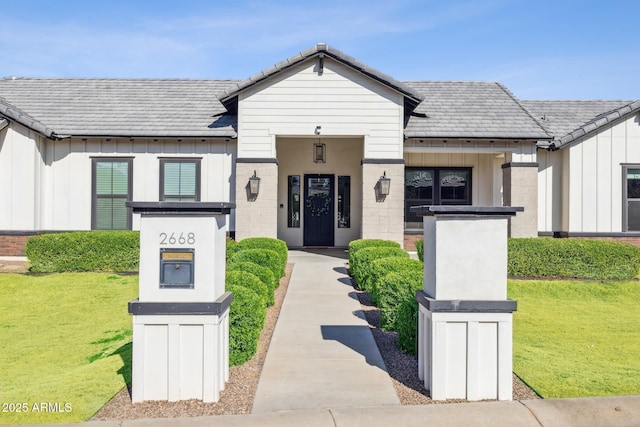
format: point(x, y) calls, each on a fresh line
point(465, 306)
point(214, 308)
point(465, 210)
point(181, 208)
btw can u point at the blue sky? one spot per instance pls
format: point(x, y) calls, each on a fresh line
point(540, 49)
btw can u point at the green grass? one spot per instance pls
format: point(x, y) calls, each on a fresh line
point(577, 339)
point(66, 340)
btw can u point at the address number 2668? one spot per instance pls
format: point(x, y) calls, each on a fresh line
point(177, 238)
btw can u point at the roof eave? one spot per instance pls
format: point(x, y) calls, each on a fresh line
point(19, 116)
point(593, 126)
point(151, 135)
point(520, 138)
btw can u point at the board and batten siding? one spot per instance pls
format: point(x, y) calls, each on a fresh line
point(593, 185)
point(21, 165)
point(341, 100)
point(57, 191)
point(550, 187)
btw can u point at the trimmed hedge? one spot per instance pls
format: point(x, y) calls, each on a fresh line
point(263, 273)
point(360, 263)
point(356, 245)
point(396, 288)
point(276, 245)
point(575, 258)
point(420, 249)
point(265, 257)
point(383, 266)
point(84, 251)
point(246, 320)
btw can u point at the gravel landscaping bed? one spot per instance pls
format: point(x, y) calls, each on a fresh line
point(237, 397)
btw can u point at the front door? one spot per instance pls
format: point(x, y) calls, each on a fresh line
point(318, 210)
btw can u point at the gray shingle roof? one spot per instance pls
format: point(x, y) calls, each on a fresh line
point(190, 108)
point(484, 110)
point(117, 107)
point(568, 120)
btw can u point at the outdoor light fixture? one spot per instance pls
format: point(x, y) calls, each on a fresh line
point(319, 152)
point(254, 185)
point(384, 184)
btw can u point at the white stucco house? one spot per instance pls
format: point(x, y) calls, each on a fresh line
point(323, 132)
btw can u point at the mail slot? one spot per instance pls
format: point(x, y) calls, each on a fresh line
point(176, 267)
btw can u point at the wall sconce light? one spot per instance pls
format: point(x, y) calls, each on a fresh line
point(319, 153)
point(254, 185)
point(384, 184)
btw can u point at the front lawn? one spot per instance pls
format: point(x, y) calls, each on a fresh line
point(577, 339)
point(65, 344)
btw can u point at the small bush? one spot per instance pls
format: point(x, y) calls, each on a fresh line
point(383, 266)
point(84, 251)
point(263, 273)
point(395, 289)
point(264, 257)
point(360, 265)
point(576, 258)
point(407, 326)
point(276, 245)
point(356, 245)
point(420, 249)
point(249, 281)
point(246, 319)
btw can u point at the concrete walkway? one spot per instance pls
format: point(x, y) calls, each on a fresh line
point(322, 353)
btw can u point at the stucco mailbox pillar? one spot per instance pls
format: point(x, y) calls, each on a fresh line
point(465, 318)
point(180, 320)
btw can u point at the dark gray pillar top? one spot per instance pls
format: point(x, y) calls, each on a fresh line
point(181, 208)
point(463, 210)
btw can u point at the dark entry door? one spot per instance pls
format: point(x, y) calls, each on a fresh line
point(318, 210)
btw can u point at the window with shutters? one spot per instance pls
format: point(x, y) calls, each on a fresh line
point(111, 189)
point(180, 180)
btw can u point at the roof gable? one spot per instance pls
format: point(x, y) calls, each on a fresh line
point(321, 51)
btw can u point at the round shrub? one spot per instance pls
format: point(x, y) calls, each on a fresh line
point(264, 257)
point(383, 266)
point(263, 273)
point(246, 319)
point(575, 258)
point(407, 326)
point(276, 245)
point(249, 281)
point(395, 289)
point(356, 245)
point(360, 265)
point(84, 251)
